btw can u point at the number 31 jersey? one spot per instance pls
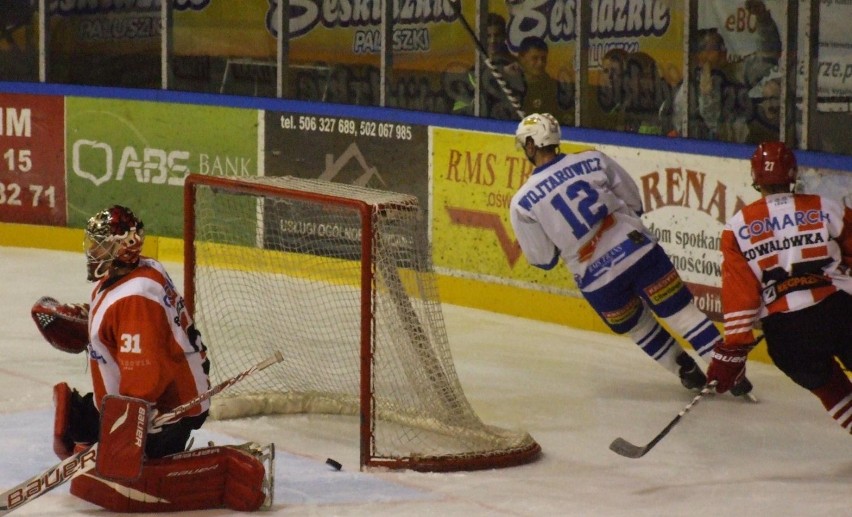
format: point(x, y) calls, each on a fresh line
point(143, 341)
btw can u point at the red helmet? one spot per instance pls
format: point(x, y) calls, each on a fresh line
point(113, 237)
point(773, 163)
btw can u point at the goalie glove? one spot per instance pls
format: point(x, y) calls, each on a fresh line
point(64, 326)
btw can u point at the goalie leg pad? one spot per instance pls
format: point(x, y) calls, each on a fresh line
point(124, 428)
point(213, 477)
point(75, 420)
point(63, 445)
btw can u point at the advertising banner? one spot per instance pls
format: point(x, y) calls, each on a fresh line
point(368, 153)
point(687, 200)
point(426, 35)
point(139, 153)
point(745, 39)
point(334, 47)
point(32, 159)
point(475, 176)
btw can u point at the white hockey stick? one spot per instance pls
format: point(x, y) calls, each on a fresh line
point(501, 81)
point(84, 461)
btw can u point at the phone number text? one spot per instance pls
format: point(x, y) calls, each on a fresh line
point(345, 126)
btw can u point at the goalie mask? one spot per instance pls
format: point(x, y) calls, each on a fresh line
point(113, 239)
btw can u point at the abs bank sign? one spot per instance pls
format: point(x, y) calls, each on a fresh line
point(147, 165)
point(139, 153)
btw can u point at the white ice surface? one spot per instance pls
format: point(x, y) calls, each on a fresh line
point(574, 391)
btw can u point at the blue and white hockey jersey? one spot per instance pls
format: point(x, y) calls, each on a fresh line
point(584, 208)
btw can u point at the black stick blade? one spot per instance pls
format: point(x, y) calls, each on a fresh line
point(624, 448)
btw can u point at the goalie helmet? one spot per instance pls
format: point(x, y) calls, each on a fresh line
point(113, 238)
point(773, 163)
point(541, 127)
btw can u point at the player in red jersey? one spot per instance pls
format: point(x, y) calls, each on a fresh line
point(787, 263)
point(146, 358)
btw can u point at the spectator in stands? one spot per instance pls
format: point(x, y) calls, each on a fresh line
point(537, 90)
point(497, 105)
point(495, 38)
point(722, 108)
point(644, 93)
point(765, 126)
point(757, 66)
point(606, 109)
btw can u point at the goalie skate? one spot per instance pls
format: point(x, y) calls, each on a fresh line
point(266, 455)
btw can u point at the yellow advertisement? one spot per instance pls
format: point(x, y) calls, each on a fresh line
point(474, 178)
point(221, 28)
point(426, 35)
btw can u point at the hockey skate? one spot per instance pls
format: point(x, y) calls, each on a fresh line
point(743, 389)
point(690, 373)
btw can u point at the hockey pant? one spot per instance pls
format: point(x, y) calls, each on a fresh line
point(810, 345)
point(652, 286)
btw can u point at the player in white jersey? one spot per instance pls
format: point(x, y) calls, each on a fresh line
point(586, 209)
point(787, 262)
point(146, 357)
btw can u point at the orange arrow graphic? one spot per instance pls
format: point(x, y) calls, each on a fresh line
point(488, 221)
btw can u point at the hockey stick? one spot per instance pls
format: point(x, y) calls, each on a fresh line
point(84, 461)
point(496, 73)
point(628, 450)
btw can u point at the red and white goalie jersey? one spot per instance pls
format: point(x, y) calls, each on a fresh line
point(143, 341)
point(782, 253)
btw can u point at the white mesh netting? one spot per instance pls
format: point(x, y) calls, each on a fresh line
point(277, 265)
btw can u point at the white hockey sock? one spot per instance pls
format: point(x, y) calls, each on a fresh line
point(656, 341)
point(696, 328)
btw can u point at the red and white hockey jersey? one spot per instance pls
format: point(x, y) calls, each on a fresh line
point(143, 343)
point(782, 253)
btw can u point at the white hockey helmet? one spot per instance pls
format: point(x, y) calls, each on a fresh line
point(541, 127)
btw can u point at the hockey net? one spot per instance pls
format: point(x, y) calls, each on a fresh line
point(338, 278)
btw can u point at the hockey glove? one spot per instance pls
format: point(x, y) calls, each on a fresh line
point(727, 367)
point(65, 326)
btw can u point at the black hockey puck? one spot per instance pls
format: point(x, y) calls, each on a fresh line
point(333, 464)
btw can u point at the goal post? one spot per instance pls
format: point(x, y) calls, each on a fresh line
point(339, 278)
